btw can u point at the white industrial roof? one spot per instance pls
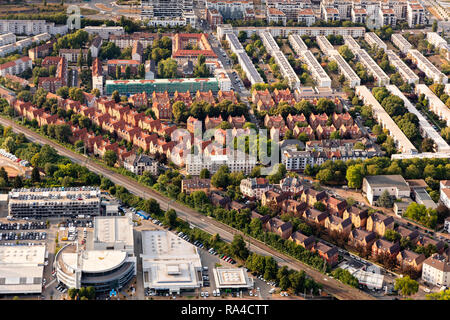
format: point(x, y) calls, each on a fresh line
point(232, 278)
point(94, 261)
point(113, 229)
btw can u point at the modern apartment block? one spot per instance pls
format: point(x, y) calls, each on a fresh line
point(31, 27)
point(436, 40)
point(374, 41)
point(344, 68)
point(427, 67)
point(351, 43)
point(168, 13)
point(284, 32)
point(104, 32)
point(233, 9)
point(54, 202)
point(426, 129)
point(381, 78)
point(285, 67)
point(383, 118)
point(415, 14)
point(435, 104)
point(22, 44)
point(405, 72)
point(401, 43)
point(436, 270)
point(7, 38)
point(290, 8)
point(236, 161)
point(320, 76)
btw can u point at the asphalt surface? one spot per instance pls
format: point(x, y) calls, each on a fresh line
point(209, 225)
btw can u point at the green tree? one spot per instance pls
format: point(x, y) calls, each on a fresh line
point(17, 182)
point(110, 157)
point(35, 175)
point(9, 144)
point(406, 286)
point(170, 217)
point(385, 200)
point(221, 178)
point(346, 53)
point(238, 247)
point(355, 175)
point(204, 174)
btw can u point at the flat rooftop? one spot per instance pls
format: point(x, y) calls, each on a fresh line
point(394, 180)
point(94, 261)
point(113, 229)
point(21, 269)
point(232, 278)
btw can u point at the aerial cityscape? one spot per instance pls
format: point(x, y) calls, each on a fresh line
point(224, 150)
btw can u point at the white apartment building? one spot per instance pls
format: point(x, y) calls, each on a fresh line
point(244, 60)
point(401, 43)
point(387, 16)
point(358, 14)
point(435, 104)
point(436, 270)
point(427, 67)
point(15, 67)
point(306, 16)
point(383, 118)
point(31, 27)
point(444, 196)
point(297, 43)
point(233, 9)
point(351, 43)
point(320, 76)
point(426, 129)
point(7, 38)
point(103, 31)
point(296, 160)
point(345, 69)
point(21, 44)
point(291, 8)
point(284, 32)
point(235, 162)
point(436, 40)
point(374, 41)
point(324, 45)
point(285, 67)
point(381, 78)
point(405, 72)
point(415, 14)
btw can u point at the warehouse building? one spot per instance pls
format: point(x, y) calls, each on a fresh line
point(54, 202)
point(22, 269)
point(401, 43)
point(105, 262)
point(169, 263)
point(374, 186)
point(436, 105)
point(425, 127)
point(381, 78)
point(383, 118)
point(374, 41)
point(427, 67)
point(130, 87)
point(405, 72)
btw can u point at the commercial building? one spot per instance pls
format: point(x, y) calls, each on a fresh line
point(232, 278)
point(374, 186)
point(401, 43)
point(374, 41)
point(382, 117)
point(426, 128)
point(436, 270)
point(169, 263)
point(105, 262)
point(435, 104)
point(244, 61)
point(130, 87)
point(21, 269)
point(54, 202)
point(285, 67)
point(31, 27)
point(372, 280)
point(427, 67)
point(405, 72)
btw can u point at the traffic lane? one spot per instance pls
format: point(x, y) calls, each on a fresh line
point(333, 286)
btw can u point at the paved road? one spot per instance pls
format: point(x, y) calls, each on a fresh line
point(209, 225)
